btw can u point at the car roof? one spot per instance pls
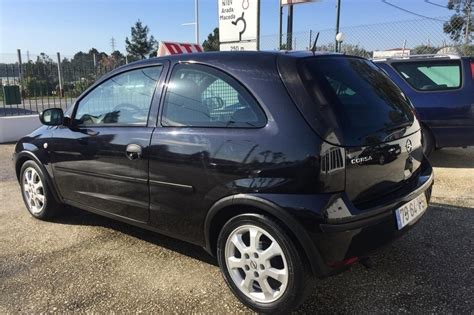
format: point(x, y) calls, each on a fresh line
point(245, 56)
point(417, 58)
point(222, 59)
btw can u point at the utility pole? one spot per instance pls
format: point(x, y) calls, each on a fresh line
point(280, 24)
point(196, 19)
point(289, 28)
point(468, 24)
point(338, 15)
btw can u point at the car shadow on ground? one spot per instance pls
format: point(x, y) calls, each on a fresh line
point(418, 273)
point(75, 216)
point(453, 158)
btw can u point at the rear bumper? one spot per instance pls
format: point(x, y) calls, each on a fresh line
point(359, 235)
point(330, 229)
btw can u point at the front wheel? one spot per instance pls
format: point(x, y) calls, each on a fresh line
point(261, 264)
point(36, 193)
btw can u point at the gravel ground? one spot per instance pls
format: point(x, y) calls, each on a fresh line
point(83, 262)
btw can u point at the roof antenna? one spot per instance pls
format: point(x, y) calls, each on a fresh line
point(313, 49)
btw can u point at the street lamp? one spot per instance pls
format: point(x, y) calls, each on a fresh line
point(196, 21)
point(338, 17)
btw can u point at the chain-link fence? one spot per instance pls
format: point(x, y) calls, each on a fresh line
point(391, 39)
point(31, 83)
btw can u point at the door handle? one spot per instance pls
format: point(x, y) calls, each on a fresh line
point(133, 151)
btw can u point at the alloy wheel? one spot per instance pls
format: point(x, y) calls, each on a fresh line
point(256, 263)
point(33, 190)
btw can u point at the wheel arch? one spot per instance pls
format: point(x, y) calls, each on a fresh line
point(24, 156)
point(428, 129)
point(231, 206)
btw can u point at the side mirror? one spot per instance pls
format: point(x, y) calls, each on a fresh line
point(52, 117)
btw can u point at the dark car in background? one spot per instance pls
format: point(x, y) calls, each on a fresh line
point(258, 157)
point(442, 90)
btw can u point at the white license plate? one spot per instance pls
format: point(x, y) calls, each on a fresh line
point(410, 211)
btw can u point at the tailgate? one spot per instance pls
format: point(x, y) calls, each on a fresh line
point(378, 170)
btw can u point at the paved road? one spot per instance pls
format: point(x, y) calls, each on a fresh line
point(83, 262)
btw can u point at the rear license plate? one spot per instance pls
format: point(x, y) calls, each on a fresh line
point(410, 211)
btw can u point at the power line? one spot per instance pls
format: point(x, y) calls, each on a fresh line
point(436, 4)
point(410, 12)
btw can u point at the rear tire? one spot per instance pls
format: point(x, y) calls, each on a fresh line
point(36, 193)
point(427, 141)
point(262, 265)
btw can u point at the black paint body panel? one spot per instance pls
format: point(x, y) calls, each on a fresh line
point(188, 177)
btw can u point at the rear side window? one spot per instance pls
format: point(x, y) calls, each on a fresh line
point(201, 96)
point(432, 75)
point(368, 106)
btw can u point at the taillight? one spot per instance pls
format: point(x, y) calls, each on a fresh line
point(472, 69)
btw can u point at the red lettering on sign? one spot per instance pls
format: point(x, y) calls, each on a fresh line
point(173, 48)
point(170, 48)
point(187, 47)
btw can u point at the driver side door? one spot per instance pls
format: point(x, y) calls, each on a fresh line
point(100, 161)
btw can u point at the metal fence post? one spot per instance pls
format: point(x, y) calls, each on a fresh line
point(19, 65)
point(95, 65)
point(60, 76)
point(22, 101)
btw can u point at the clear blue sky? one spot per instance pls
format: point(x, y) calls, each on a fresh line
point(68, 26)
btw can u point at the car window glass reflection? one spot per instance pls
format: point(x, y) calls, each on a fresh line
point(204, 97)
point(124, 99)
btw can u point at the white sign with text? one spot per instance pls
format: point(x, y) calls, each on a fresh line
point(238, 22)
point(250, 45)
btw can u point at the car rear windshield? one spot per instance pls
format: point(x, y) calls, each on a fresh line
point(369, 108)
point(431, 75)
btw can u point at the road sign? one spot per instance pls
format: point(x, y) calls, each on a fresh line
point(239, 23)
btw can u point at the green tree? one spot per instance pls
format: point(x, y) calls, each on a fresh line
point(424, 49)
point(118, 57)
point(348, 49)
point(355, 50)
point(212, 41)
point(140, 45)
point(460, 26)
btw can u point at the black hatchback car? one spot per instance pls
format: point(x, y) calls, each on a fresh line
point(270, 161)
